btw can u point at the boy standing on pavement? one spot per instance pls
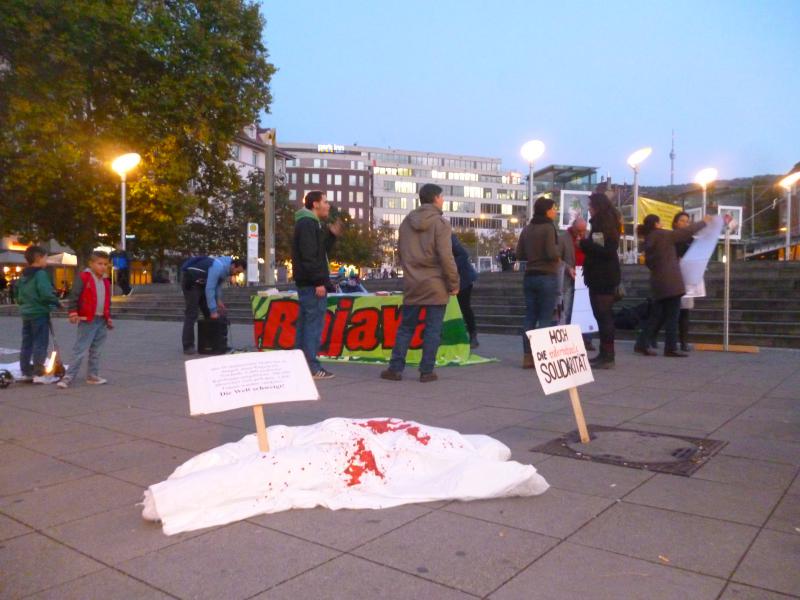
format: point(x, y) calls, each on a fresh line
point(430, 277)
point(310, 246)
point(36, 298)
point(89, 306)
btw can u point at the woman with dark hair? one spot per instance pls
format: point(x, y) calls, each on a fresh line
point(666, 281)
point(680, 221)
point(601, 272)
point(538, 245)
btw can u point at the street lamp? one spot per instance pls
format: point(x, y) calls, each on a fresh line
point(787, 183)
point(531, 151)
point(123, 164)
point(634, 160)
point(704, 178)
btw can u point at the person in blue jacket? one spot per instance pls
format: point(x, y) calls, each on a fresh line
point(201, 281)
point(467, 275)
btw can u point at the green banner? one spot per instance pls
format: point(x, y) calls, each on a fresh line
point(359, 328)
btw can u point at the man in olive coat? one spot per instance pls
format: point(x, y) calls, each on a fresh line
point(430, 277)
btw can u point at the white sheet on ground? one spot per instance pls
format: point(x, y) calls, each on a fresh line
point(12, 368)
point(338, 463)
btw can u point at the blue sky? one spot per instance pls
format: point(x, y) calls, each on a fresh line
point(594, 80)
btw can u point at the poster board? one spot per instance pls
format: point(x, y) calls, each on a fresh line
point(582, 314)
point(664, 210)
point(230, 381)
point(694, 262)
point(695, 214)
point(574, 204)
point(560, 358)
point(735, 212)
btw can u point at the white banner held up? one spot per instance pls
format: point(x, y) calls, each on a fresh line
point(252, 253)
point(695, 261)
point(562, 364)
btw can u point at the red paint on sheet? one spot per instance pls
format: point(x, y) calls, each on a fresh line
point(362, 461)
point(386, 426)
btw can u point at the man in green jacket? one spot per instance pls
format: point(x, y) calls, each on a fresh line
point(36, 298)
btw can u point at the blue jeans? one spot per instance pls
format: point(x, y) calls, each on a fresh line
point(310, 322)
point(541, 292)
point(91, 335)
point(431, 336)
point(35, 336)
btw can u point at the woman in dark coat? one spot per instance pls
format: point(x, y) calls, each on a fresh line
point(467, 276)
point(601, 272)
point(666, 281)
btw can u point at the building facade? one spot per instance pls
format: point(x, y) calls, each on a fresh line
point(381, 185)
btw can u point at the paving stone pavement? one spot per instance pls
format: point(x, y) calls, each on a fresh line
point(75, 462)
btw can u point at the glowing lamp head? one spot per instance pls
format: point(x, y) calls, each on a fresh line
point(788, 181)
point(531, 151)
point(706, 176)
point(638, 157)
point(126, 162)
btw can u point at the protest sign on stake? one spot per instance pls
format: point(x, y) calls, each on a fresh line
point(220, 383)
point(562, 364)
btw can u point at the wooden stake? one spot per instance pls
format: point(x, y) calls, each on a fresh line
point(261, 428)
point(731, 348)
point(578, 410)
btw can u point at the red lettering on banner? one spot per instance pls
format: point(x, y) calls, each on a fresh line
point(390, 321)
point(278, 327)
point(416, 340)
point(362, 331)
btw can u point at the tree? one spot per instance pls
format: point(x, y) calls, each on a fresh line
point(83, 81)
point(386, 240)
point(357, 245)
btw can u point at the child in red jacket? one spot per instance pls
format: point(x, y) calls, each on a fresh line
point(90, 307)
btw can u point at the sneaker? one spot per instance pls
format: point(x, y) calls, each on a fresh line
point(95, 380)
point(189, 351)
point(427, 377)
point(40, 379)
point(64, 383)
point(473, 341)
point(391, 375)
point(323, 374)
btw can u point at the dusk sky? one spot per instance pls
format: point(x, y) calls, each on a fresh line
point(594, 80)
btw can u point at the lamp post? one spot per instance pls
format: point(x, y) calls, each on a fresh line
point(634, 160)
point(123, 164)
point(787, 183)
point(531, 151)
point(705, 177)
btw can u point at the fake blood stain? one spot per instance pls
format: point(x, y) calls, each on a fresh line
point(385, 426)
point(361, 462)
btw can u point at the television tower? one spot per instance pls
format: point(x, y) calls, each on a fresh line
point(672, 161)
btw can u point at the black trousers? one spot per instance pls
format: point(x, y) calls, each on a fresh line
point(683, 327)
point(602, 308)
point(194, 297)
point(124, 280)
point(667, 309)
point(465, 303)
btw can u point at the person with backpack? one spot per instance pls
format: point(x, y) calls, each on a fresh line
point(201, 282)
point(467, 276)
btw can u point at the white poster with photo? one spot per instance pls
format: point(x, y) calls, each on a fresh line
point(735, 213)
point(574, 204)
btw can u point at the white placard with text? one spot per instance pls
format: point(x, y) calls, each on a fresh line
point(220, 383)
point(560, 357)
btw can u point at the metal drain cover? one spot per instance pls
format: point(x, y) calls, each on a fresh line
point(664, 453)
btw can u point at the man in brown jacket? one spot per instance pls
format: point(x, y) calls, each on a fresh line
point(430, 277)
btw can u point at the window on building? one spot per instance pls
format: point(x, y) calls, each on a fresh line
point(352, 212)
point(337, 180)
point(405, 187)
point(350, 196)
point(255, 158)
point(315, 178)
point(338, 195)
point(235, 149)
point(359, 196)
point(328, 178)
point(360, 181)
point(351, 180)
point(404, 203)
point(306, 178)
point(293, 195)
point(317, 163)
point(507, 209)
point(361, 165)
point(293, 177)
